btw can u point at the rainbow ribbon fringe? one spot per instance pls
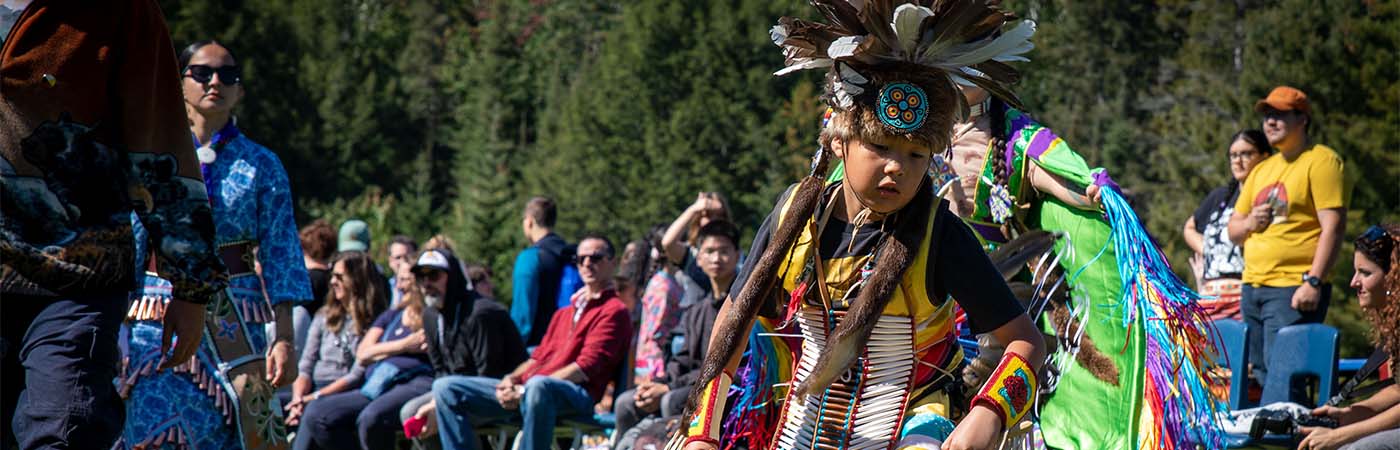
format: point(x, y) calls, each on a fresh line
point(1179, 338)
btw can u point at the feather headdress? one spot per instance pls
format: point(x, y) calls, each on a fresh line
point(893, 64)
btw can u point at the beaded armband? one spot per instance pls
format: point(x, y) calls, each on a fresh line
point(705, 426)
point(1009, 389)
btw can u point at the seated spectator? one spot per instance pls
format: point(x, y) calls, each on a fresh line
point(404, 282)
point(480, 277)
point(579, 354)
point(679, 244)
point(660, 311)
point(1373, 423)
point(402, 253)
point(352, 303)
point(631, 273)
point(1207, 231)
point(468, 334)
point(392, 368)
point(666, 396)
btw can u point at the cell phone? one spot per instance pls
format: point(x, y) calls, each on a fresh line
point(413, 427)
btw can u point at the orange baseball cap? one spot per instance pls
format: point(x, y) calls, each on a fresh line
point(1284, 98)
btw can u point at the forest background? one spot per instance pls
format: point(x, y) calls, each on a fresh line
point(442, 116)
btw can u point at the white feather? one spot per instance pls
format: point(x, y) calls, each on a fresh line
point(778, 34)
point(907, 18)
point(1010, 44)
point(843, 47)
point(809, 63)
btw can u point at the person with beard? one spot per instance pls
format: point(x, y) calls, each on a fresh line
point(565, 376)
point(1373, 423)
point(468, 334)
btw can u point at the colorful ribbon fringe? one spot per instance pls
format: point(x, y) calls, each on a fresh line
point(1181, 411)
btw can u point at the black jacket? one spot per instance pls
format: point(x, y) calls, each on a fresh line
point(470, 335)
point(683, 368)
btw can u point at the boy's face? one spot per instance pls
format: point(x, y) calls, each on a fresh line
point(717, 257)
point(885, 175)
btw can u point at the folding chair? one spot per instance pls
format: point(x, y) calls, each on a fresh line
point(1233, 338)
point(1301, 352)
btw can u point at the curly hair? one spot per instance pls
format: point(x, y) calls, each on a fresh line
point(1384, 251)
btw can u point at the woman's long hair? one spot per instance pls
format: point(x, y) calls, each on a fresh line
point(365, 291)
point(852, 333)
point(412, 304)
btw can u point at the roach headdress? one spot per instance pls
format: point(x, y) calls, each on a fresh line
point(891, 65)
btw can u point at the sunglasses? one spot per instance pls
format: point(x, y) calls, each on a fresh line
point(1375, 233)
point(596, 257)
point(202, 74)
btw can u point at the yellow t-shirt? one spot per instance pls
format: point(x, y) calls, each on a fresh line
point(1280, 254)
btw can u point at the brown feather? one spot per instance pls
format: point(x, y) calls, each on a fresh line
point(876, 17)
point(842, 15)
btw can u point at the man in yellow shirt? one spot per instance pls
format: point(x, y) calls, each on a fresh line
point(1289, 218)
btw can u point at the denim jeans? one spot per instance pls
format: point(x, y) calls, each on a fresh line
point(464, 403)
point(336, 420)
point(60, 356)
point(1268, 309)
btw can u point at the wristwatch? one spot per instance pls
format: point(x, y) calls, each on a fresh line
point(1312, 280)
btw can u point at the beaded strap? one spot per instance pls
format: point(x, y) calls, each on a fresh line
point(1008, 391)
point(705, 426)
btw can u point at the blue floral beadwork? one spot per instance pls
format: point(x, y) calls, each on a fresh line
point(903, 106)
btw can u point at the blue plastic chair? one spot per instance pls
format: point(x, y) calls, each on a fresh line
point(1301, 351)
point(1233, 337)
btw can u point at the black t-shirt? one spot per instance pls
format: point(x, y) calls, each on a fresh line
point(959, 267)
point(320, 286)
point(1222, 258)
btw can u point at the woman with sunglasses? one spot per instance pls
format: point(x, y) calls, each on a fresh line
point(1217, 260)
point(224, 399)
point(354, 299)
point(1373, 423)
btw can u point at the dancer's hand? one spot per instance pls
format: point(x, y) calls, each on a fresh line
point(1095, 195)
point(279, 364)
point(981, 429)
point(186, 321)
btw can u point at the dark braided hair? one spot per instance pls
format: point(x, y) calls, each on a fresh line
point(843, 344)
point(997, 117)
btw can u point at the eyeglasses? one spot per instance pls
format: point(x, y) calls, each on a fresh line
point(202, 74)
point(1275, 114)
point(1241, 156)
point(596, 257)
